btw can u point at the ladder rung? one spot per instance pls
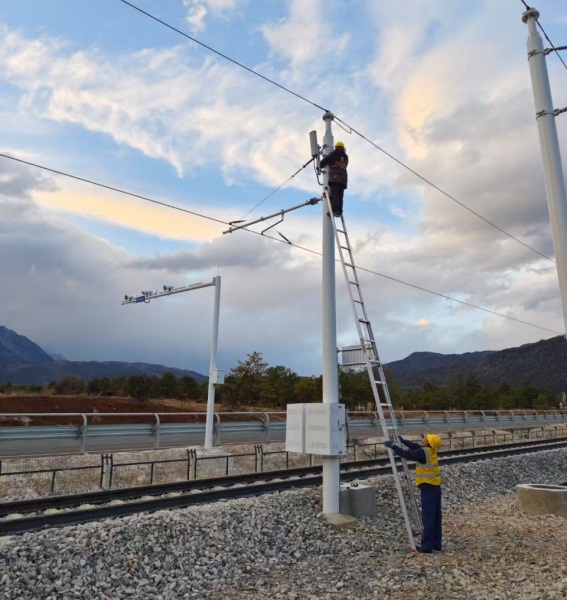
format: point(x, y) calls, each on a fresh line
point(354, 283)
point(366, 322)
point(345, 248)
point(358, 301)
point(340, 230)
point(349, 265)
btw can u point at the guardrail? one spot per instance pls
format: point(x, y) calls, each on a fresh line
point(91, 436)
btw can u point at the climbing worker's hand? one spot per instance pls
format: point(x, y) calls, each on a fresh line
point(388, 444)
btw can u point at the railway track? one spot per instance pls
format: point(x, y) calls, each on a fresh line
point(30, 515)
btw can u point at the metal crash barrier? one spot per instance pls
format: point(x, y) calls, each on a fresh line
point(91, 434)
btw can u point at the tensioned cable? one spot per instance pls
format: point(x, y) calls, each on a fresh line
point(429, 182)
point(287, 243)
point(553, 47)
point(232, 60)
point(401, 163)
point(279, 187)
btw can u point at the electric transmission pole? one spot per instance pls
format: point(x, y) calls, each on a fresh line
point(551, 153)
point(331, 464)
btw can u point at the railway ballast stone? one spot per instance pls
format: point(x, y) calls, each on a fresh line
point(275, 547)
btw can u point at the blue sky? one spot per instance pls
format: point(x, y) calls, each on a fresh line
point(103, 92)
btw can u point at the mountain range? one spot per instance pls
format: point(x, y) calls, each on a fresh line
point(540, 363)
point(24, 362)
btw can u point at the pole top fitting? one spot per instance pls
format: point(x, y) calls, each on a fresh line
point(328, 116)
point(531, 13)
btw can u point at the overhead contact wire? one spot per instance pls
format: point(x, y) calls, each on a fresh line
point(352, 130)
point(280, 241)
point(232, 60)
point(278, 188)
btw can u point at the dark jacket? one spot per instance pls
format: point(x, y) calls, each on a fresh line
point(415, 452)
point(338, 160)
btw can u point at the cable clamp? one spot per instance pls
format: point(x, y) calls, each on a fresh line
point(554, 49)
point(554, 113)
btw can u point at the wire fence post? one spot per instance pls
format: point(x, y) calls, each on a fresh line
point(157, 430)
point(83, 433)
point(259, 458)
point(106, 471)
point(192, 463)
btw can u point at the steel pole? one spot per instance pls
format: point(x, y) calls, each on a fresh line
point(213, 368)
point(331, 464)
point(551, 153)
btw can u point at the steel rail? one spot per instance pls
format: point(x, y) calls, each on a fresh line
point(129, 493)
point(222, 488)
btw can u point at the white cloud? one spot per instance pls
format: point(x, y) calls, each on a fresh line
point(458, 110)
point(298, 38)
point(199, 9)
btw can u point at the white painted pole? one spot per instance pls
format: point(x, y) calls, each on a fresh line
point(331, 464)
point(553, 170)
point(213, 368)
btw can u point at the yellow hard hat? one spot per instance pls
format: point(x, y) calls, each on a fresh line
point(434, 441)
point(339, 145)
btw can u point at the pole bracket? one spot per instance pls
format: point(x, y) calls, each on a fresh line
point(554, 113)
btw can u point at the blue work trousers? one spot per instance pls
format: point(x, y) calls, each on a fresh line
point(431, 515)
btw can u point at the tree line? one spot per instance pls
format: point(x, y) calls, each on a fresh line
point(253, 383)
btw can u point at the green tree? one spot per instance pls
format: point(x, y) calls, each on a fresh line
point(69, 385)
point(243, 384)
point(187, 385)
point(277, 387)
point(309, 389)
point(356, 391)
point(139, 386)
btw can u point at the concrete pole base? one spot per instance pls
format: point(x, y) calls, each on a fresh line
point(339, 521)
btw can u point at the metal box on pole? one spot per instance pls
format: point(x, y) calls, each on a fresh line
point(295, 428)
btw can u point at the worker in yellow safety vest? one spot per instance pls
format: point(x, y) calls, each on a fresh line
point(428, 480)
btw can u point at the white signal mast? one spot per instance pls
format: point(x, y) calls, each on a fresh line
point(216, 376)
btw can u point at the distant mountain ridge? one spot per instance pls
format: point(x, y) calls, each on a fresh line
point(18, 347)
point(24, 362)
point(542, 363)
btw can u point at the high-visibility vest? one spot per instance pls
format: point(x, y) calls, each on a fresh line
point(428, 472)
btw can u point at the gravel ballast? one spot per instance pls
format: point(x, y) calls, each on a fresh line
point(279, 546)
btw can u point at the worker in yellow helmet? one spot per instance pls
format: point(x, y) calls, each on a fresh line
point(428, 480)
point(337, 160)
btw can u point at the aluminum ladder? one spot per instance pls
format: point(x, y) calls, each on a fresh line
point(376, 374)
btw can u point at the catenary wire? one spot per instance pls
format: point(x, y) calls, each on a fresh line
point(232, 60)
point(286, 242)
point(442, 191)
point(401, 163)
point(278, 188)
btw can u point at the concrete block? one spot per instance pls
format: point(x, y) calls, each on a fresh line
point(542, 499)
point(357, 499)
